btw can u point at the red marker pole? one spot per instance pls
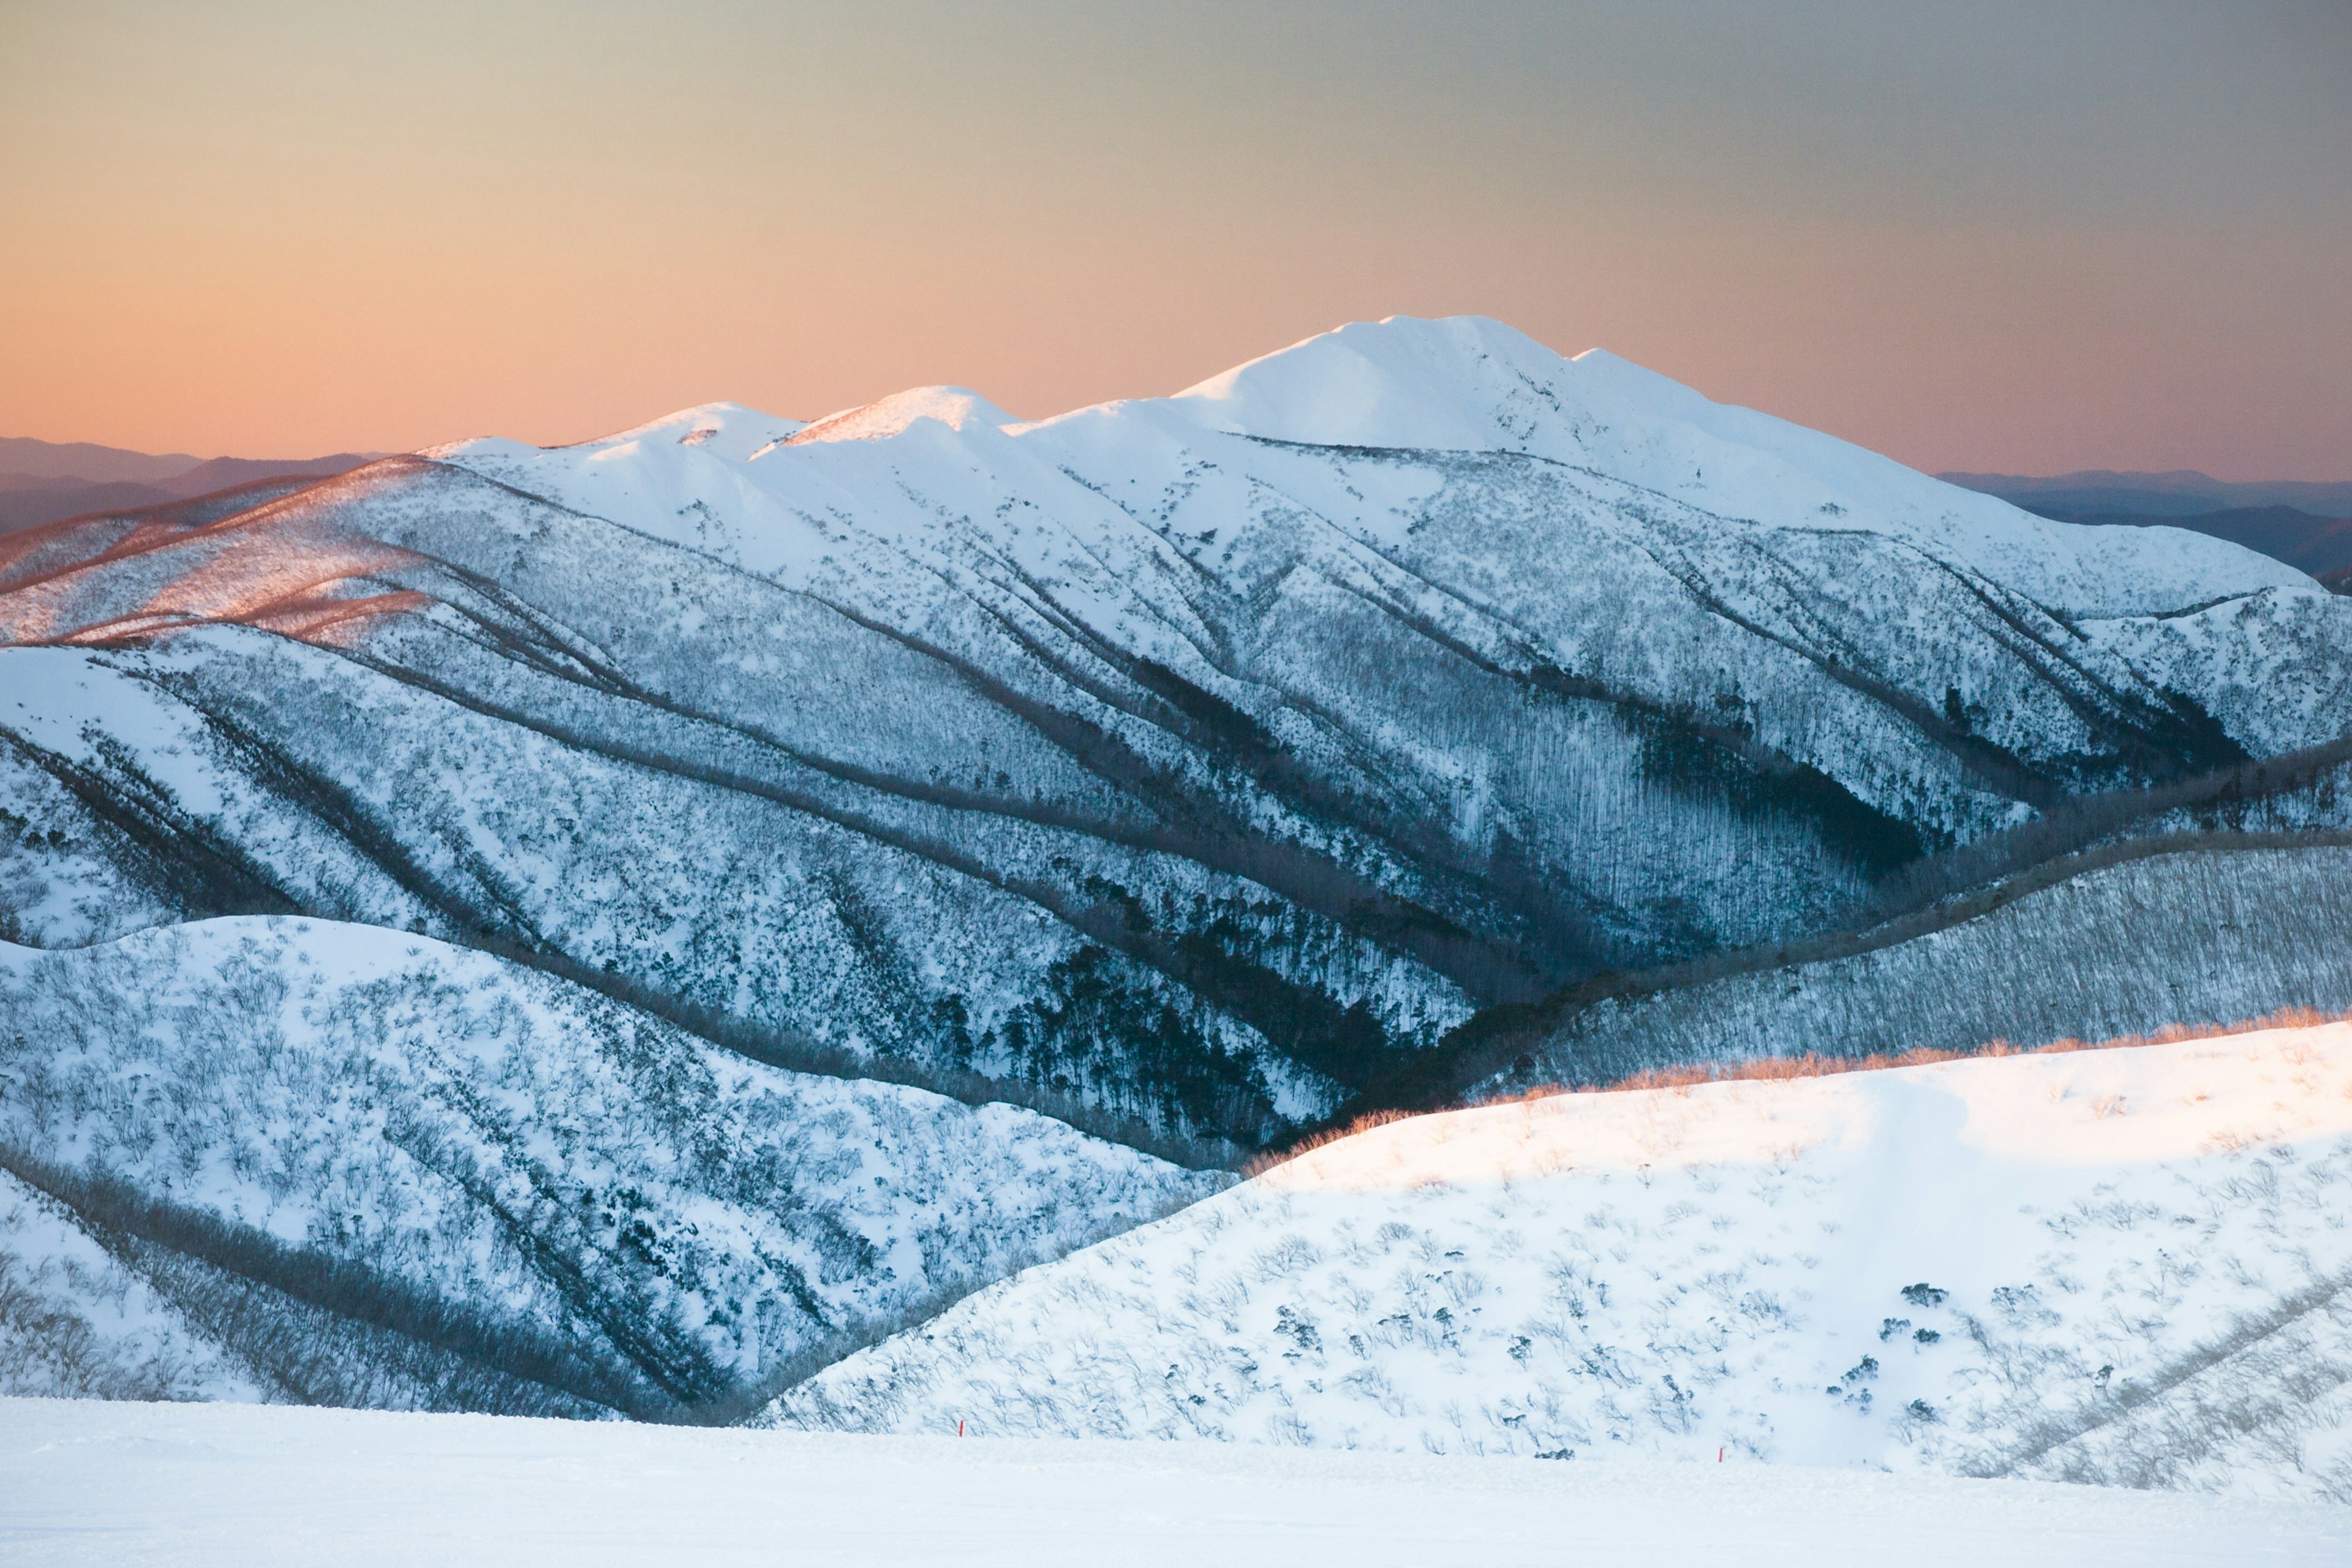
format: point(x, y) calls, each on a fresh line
point(959, 1432)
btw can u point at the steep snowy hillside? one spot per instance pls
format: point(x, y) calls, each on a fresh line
point(287, 1160)
point(2198, 938)
point(2130, 1266)
point(1197, 761)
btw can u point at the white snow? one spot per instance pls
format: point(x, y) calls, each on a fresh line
point(86, 1483)
point(1468, 383)
point(76, 1321)
point(2130, 1266)
point(1637, 494)
point(1460, 384)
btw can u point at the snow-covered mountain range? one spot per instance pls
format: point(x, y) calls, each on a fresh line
point(613, 928)
point(1195, 759)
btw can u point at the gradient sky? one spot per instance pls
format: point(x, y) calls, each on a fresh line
point(2029, 238)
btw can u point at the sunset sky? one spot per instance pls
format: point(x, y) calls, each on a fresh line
point(2029, 238)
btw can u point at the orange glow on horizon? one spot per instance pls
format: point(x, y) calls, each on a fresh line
point(252, 230)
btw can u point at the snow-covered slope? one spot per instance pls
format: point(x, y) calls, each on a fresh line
point(83, 1483)
point(2202, 937)
point(2128, 1266)
point(290, 1160)
point(1196, 759)
point(76, 1321)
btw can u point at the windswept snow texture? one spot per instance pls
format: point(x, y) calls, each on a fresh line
point(2129, 1266)
point(87, 1483)
point(1195, 760)
point(279, 1159)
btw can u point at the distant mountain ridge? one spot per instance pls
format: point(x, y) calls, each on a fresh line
point(90, 462)
point(2308, 530)
point(43, 482)
point(2179, 490)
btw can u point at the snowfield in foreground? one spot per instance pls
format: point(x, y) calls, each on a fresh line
point(2128, 1266)
point(90, 1483)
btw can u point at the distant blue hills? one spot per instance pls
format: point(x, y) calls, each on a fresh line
point(2305, 524)
point(46, 481)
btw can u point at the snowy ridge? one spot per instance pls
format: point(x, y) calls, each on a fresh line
point(1472, 385)
point(1476, 385)
point(954, 406)
point(2126, 1265)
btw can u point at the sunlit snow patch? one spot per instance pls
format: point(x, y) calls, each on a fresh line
point(2126, 1265)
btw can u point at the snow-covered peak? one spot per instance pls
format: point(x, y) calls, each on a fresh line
point(954, 406)
point(1469, 383)
point(725, 430)
point(1464, 382)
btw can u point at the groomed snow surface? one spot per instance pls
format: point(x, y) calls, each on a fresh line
point(131, 1484)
